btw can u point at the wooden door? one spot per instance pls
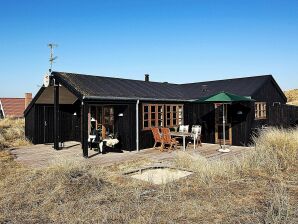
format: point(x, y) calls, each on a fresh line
point(219, 124)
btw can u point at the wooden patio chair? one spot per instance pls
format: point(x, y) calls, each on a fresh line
point(157, 137)
point(167, 139)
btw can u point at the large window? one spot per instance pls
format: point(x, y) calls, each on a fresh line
point(174, 115)
point(154, 115)
point(260, 110)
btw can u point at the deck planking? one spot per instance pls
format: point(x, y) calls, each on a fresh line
point(44, 155)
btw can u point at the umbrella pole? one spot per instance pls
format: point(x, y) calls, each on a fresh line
point(223, 127)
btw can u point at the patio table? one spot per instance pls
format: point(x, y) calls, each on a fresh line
point(184, 135)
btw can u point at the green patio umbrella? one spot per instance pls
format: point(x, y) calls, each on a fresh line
point(224, 98)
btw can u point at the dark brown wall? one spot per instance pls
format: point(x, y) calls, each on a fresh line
point(125, 126)
point(30, 132)
point(270, 94)
point(204, 114)
point(283, 115)
point(241, 123)
point(38, 133)
point(201, 114)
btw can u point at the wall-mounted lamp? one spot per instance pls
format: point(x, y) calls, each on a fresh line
point(120, 115)
point(75, 113)
point(239, 112)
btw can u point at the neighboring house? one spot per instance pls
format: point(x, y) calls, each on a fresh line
point(73, 105)
point(14, 107)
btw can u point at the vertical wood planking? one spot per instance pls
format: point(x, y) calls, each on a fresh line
point(56, 116)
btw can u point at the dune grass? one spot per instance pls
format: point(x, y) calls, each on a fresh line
point(12, 133)
point(292, 96)
point(258, 187)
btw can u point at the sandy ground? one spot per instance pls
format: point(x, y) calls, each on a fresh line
point(160, 175)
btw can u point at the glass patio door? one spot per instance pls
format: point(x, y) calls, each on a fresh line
point(101, 120)
point(108, 121)
point(219, 124)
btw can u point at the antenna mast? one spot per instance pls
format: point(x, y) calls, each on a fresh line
point(52, 58)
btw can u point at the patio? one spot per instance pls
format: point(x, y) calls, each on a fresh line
point(43, 155)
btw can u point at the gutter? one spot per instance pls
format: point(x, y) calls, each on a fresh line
point(131, 98)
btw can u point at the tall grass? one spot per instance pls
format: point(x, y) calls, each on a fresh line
point(276, 149)
point(292, 96)
point(260, 187)
point(12, 133)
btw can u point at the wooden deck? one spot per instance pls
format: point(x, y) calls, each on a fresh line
point(44, 155)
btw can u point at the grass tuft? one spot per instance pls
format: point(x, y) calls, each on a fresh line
point(12, 133)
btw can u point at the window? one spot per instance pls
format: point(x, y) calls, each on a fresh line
point(260, 110)
point(174, 115)
point(152, 115)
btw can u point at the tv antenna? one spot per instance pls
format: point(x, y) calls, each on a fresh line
point(52, 58)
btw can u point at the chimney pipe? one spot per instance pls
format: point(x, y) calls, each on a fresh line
point(146, 77)
point(28, 98)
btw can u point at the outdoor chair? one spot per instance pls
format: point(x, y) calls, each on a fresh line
point(157, 137)
point(167, 139)
point(183, 128)
point(196, 131)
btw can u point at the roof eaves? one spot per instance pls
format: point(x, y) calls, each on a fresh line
point(270, 77)
point(133, 98)
point(37, 95)
point(211, 81)
point(67, 85)
point(278, 88)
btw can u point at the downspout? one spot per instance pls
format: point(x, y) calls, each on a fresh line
point(137, 125)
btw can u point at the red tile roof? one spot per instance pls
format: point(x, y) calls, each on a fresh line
point(13, 107)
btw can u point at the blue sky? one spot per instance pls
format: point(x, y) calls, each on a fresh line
point(174, 41)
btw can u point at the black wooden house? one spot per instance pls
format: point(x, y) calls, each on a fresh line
point(74, 104)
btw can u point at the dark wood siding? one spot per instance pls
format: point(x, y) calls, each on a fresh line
point(204, 115)
point(125, 126)
point(30, 131)
point(40, 123)
point(283, 115)
point(241, 123)
point(270, 94)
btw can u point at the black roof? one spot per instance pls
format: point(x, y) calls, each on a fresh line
point(108, 87)
point(88, 86)
point(240, 86)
